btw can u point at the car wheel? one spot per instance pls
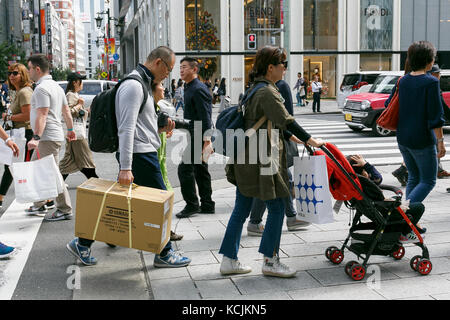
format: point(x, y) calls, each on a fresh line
point(356, 129)
point(381, 132)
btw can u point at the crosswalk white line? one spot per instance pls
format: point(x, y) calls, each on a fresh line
point(18, 230)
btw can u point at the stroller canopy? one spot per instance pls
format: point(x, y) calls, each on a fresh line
point(340, 187)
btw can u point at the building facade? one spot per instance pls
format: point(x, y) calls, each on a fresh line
point(55, 38)
point(325, 37)
point(65, 11)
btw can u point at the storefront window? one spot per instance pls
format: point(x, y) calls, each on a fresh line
point(325, 68)
point(209, 68)
point(320, 24)
point(376, 24)
point(263, 19)
point(202, 25)
point(376, 62)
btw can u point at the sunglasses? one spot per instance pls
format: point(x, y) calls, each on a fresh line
point(285, 64)
point(14, 73)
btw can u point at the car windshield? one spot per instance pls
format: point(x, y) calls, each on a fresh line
point(445, 83)
point(91, 88)
point(350, 80)
point(384, 84)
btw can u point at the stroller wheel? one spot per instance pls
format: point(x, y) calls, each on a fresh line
point(328, 252)
point(414, 262)
point(357, 272)
point(424, 267)
point(336, 256)
point(348, 267)
point(399, 254)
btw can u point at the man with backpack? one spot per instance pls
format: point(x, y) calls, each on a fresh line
point(138, 142)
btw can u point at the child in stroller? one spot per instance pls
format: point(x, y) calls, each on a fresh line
point(389, 225)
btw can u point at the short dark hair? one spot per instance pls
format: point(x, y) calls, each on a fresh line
point(420, 54)
point(162, 52)
point(40, 60)
point(192, 62)
point(265, 57)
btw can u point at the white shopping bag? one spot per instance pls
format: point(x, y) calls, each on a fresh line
point(312, 193)
point(79, 127)
point(36, 180)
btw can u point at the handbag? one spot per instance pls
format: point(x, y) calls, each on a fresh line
point(79, 127)
point(389, 118)
point(291, 152)
point(37, 180)
point(312, 193)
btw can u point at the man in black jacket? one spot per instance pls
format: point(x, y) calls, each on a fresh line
point(193, 169)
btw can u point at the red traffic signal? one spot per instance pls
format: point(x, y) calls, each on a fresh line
point(251, 41)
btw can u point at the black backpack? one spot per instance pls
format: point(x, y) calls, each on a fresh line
point(103, 134)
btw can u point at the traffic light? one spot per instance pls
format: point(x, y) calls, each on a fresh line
point(251, 41)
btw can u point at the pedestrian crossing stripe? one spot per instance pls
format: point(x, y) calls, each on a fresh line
point(376, 150)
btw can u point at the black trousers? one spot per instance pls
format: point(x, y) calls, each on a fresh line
point(316, 102)
point(415, 213)
point(191, 172)
point(7, 178)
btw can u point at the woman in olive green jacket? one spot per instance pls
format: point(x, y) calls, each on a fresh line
point(268, 182)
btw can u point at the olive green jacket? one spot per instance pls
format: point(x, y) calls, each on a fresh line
point(255, 180)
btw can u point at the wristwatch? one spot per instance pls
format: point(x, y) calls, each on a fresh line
point(36, 137)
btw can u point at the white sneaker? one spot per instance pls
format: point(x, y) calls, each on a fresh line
point(293, 224)
point(273, 267)
point(232, 266)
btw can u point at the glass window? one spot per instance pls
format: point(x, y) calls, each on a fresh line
point(209, 67)
point(445, 83)
point(263, 19)
point(91, 88)
point(321, 24)
point(376, 24)
point(384, 84)
point(325, 68)
point(202, 25)
point(376, 62)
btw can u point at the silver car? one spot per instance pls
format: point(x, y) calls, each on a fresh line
point(91, 88)
point(355, 83)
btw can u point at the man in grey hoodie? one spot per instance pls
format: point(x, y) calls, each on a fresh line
point(138, 145)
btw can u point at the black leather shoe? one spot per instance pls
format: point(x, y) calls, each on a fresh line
point(187, 212)
point(207, 210)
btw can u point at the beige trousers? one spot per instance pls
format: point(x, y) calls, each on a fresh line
point(47, 148)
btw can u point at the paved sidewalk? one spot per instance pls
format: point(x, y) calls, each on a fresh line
point(317, 278)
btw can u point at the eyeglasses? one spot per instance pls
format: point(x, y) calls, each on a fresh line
point(168, 68)
point(14, 73)
point(285, 64)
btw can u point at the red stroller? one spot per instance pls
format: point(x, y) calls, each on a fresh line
point(345, 186)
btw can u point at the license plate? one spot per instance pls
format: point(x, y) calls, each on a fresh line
point(348, 117)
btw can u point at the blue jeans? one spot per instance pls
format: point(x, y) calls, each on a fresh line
point(299, 99)
point(270, 242)
point(422, 168)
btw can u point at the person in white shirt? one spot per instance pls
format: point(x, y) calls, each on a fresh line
point(316, 87)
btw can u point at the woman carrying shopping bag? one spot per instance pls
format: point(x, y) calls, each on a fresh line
point(6, 251)
point(255, 180)
point(78, 156)
point(18, 115)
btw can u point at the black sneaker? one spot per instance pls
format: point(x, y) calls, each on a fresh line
point(187, 212)
point(50, 205)
point(36, 210)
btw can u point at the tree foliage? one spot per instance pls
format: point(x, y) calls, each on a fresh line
point(9, 52)
point(60, 74)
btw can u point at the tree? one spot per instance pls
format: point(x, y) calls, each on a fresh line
point(60, 74)
point(9, 52)
point(206, 39)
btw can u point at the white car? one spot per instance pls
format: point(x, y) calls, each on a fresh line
point(355, 83)
point(91, 88)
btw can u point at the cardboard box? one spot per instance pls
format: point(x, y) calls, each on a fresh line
point(151, 215)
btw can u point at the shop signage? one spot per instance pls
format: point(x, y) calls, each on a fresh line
point(376, 24)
